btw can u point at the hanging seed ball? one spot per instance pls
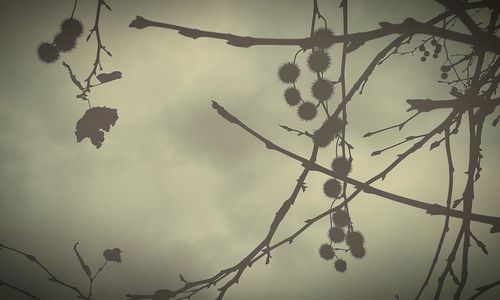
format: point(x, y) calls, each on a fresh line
point(333, 126)
point(47, 52)
point(438, 48)
point(340, 265)
point(423, 59)
point(341, 165)
point(354, 239)
point(445, 68)
point(292, 96)
point(433, 42)
point(318, 61)
point(322, 89)
point(288, 72)
point(421, 48)
point(321, 138)
point(72, 27)
point(65, 42)
point(323, 38)
point(332, 188)
point(336, 234)
point(307, 111)
point(358, 252)
point(326, 252)
point(340, 218)
point(427, 53)
point(444, 75)
point(435, 55)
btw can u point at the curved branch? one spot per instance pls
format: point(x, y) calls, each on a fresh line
point(52, 277)
point(432, 209)
point(408, 27)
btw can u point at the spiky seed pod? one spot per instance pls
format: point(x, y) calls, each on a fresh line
point(332, 188)
point(323, 38)
point(445, 68)
point(444, 75)
point(307, 111)
point(326, 252)
point(327, 132)
point(354, 239)
point(65, 42)
point(288, 72)
point(341, 165)
point(322, 138)
point(318, 61)
point(332, 126)
point(336, 234)
point(292, 96)
point(340, 218)
point(358, 252)
point(47, 52)
point(72, 27)
point(340, 265)
point(322, 89)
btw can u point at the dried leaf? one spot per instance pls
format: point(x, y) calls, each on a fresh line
point(84, 266)
point(113, 255)
point(107, 77)
point(93, 122)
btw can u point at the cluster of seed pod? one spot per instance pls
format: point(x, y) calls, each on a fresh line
point(336, 234)
point(445, 69)
point(318, 62)
point(341, 219)
point(426, 53)
point(322, 90)
point(64, 41)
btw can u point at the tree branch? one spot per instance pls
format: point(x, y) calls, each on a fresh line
point(432, 209)
point(355, 40)
point(52, 277)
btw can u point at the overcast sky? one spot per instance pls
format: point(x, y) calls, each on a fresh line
point(181, 190)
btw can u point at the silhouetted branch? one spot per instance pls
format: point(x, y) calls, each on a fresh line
point(96, 66)
point(25, 292)
point(52, 277)
point(451, 170)
point(233, 40)
point(426, 105)
point(299, 133)
point(192, 287)
point(432, 209)
point(354, 40)
point(398, 126)
point(483, 289)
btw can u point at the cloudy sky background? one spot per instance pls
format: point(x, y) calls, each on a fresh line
point(181, 190)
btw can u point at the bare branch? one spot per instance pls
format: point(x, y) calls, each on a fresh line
point(432, 209)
